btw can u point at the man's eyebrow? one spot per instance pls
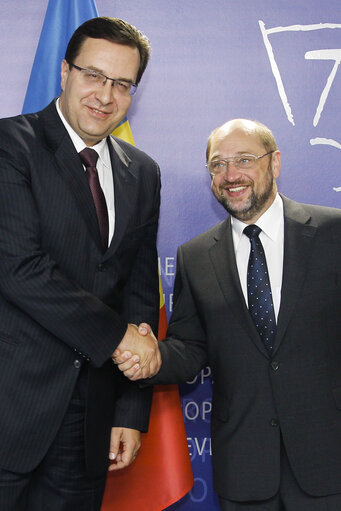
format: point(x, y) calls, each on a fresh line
point(95, 68)
point(238, 153)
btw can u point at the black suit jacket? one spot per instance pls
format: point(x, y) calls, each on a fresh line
point(62, 300)
point(296, 392)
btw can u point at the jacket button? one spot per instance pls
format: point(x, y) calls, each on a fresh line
point(77, 364)
point(274, 423)
point(100, 267)
point(274, 365)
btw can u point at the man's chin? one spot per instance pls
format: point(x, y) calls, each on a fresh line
point(242, 213)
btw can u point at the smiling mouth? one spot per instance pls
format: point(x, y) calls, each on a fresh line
point(98, 112)
point(236, 188)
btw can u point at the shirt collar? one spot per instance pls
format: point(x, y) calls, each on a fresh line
point(101, 147)
point(269, 222)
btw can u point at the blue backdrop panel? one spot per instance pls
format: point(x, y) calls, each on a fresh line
point(270, 60)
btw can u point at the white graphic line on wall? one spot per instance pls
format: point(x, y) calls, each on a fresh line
point(324, 55)
point(332, 54)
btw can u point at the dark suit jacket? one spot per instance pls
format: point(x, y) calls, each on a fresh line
point(61, 298)
point(296, 392)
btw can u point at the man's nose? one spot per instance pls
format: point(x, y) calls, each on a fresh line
point(106, 92)
point(231, 171)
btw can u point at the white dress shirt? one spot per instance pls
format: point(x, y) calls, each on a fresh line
point(272, 238)
point(103, 166)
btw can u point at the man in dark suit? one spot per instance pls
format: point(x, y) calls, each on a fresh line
point(78, 271)
point(274, 348)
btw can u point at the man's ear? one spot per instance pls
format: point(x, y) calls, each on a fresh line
point(276, 164)
point(64, 73)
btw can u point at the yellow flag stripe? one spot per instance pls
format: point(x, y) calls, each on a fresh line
point(124, 132)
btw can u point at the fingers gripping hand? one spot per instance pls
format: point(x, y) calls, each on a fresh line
point(138, 355)
point(126, 360)
point(124, 446)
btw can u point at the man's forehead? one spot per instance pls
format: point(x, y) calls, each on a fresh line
point(235, 134)
point(97, 45)
point(110, 58)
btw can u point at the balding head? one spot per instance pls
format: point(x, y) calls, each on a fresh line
point(247, 127)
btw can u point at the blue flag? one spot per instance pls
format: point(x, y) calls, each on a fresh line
point(61, 20)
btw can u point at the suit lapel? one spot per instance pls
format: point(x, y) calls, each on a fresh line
point(223, 257)
point(298, 240)
point(125, 190)
point(69, 165)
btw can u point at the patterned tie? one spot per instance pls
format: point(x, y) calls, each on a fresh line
point(89, 158)
point(258, 289)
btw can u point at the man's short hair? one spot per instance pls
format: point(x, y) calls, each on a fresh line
point(114, 30)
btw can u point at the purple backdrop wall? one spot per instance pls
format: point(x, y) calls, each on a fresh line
point(213, 60)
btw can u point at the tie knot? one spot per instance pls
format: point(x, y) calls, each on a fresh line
point(252, 231)
point(89, 157)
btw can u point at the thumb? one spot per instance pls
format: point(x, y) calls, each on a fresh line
point(144, 329)
point(115, 440)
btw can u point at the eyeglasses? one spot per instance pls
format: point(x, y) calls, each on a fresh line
point(243, 162)
point(97, 79)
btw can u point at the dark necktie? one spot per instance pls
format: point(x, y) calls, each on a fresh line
point(89, 158)
point(259, 290)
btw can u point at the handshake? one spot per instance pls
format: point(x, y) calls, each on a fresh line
point(138, 355)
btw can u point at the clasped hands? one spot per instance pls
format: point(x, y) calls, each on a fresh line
point(138, 355)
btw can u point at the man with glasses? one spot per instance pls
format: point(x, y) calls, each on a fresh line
point(78, 223)
point(258, 298)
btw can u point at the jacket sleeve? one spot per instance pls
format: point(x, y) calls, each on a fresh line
point(141, 304)
point(184, 351)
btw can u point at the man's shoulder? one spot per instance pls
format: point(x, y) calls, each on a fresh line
point(19, 135)
point(317, 215)
point(207, 238)
point(27, 127)
point(131, 152)
point(18, 123)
